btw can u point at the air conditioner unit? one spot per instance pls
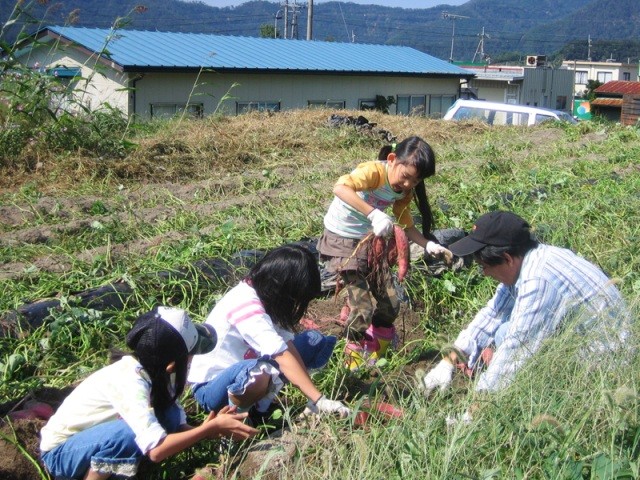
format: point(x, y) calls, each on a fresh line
point(536, 60)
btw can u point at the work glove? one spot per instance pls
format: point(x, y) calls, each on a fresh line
point(439, 377)
point(436, 250)
point(465, 419)
point(381, 222)
point(325, 405)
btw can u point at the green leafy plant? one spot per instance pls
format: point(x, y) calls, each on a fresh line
point(41, 114)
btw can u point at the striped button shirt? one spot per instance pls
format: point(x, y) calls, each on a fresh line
point(553, 284)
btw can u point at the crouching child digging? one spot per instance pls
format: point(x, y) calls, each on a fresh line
point(130, 409)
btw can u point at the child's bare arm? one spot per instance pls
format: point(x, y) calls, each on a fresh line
point(226, 423)
point(351, 198)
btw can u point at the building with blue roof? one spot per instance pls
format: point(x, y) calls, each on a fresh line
point(158, 74)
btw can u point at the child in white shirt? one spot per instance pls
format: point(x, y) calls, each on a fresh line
point(130, 408)
point(255, 324)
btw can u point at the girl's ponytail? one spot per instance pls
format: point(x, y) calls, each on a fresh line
point(422, 201)
point(156, 344)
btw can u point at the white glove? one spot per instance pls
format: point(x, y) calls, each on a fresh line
point(381, 222)
point(436, 250)
point(466, 419)
point(324, 405)
point(439, 377)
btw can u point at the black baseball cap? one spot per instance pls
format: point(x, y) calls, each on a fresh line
point(498, 229)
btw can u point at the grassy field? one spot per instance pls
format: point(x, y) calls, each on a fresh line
point(183, 191)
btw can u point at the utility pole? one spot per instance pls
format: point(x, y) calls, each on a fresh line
point(285, 30)
point(453, 18)
point(480, 49)
point(589, 49)
point(310, 20)
point(295, 8)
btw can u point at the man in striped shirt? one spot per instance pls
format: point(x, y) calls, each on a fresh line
point(541, 288)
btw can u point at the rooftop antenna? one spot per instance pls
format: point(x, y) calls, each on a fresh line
point(453, 18)
point(480, 48)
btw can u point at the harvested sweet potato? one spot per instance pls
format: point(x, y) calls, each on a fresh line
point(392, 251)
point(402, 247)
point(384, 253)
point(376, 251)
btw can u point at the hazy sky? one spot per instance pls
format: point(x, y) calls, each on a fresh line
point(388, 3)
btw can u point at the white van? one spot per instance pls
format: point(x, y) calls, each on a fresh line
point(495, 113)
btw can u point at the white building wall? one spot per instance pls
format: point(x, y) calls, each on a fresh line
point(490, 90)
point(210, 92)
point(222, 92)
point(607, 71)
point(96, 86)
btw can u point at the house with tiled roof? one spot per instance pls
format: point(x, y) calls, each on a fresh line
point(158, 74)
point(618, 101)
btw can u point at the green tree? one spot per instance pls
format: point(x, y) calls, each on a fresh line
point(268, 31)
point(590, 93)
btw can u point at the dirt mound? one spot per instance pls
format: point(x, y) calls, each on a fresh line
point(19, 443)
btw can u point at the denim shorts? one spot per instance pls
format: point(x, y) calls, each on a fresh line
point(109, 447)
point(314, 348)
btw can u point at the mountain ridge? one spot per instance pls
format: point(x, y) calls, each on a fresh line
point(512, 27)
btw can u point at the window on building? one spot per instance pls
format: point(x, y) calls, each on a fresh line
point(326, 103)
point(168, 110)
point(439, 104)
point(260, 106)
point(581, 77)
point(512, 94)
point(561, 102)
point(626, 76)
point(604, 77)
point(64, 72)
point(367, 104)
point(411, 104)
point(432, 105)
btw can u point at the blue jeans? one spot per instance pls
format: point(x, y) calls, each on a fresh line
point(314, 348)
point(108, 448)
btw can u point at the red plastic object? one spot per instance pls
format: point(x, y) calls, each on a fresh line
point(389, 410)
point(361, 419)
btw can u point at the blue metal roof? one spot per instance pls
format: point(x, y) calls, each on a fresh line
point(133, 49)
